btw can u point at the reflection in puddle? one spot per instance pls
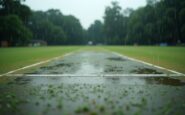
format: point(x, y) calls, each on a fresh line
point(88, 68)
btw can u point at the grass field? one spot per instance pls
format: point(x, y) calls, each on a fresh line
point(168, 57)
point(14, 58)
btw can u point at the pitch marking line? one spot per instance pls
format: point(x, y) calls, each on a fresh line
point(36, 64)
point(146, 63)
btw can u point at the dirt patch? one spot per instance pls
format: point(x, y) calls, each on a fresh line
point(56, 66)
point(165, 81)
point(20, 81)
point(116, 59)
point(46, 67)
point(64, 65)
point(146, 71)
point(113, 69)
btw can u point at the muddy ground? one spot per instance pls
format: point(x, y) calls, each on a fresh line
point(92, 95)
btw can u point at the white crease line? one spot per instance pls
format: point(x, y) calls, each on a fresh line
point(36, 64)
point(132, 59)
point(94, 75)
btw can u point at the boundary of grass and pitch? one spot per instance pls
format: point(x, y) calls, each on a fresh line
point(149, 64)
point(10, 73)
point(36, 64)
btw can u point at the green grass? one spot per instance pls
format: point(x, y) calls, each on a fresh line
point(168, 57)
point(14, 58)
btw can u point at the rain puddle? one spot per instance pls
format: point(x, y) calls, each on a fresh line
point(91, 92)
point(96, 63)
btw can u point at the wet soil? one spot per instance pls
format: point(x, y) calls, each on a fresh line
point(146, 71)
point(113, 95)
point(56, 66)
point(116, 59)
point(110, 69)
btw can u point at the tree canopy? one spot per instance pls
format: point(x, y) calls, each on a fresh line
point(20, 25)
point(160, 21)
point(55, 28)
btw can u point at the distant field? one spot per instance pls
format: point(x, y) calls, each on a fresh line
point(14, 58)
point(168, 57)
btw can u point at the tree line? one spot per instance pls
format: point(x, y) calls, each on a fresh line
point(160, 21)
point(19, 25)
point(55, 28)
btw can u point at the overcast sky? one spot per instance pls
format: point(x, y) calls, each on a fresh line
point(85, 10)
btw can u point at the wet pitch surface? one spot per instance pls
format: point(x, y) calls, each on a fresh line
point(93, 83)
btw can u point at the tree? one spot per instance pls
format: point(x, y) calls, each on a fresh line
point(182, 19)
point(55, 28)
point(15, 7)
point(13, 30)
point(161, 21)
point(95, 32)
point(14, 17)
point(73, 30)
point(114, 24)
point(44, 29)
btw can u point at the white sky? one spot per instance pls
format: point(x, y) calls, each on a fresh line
point(85, 10)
